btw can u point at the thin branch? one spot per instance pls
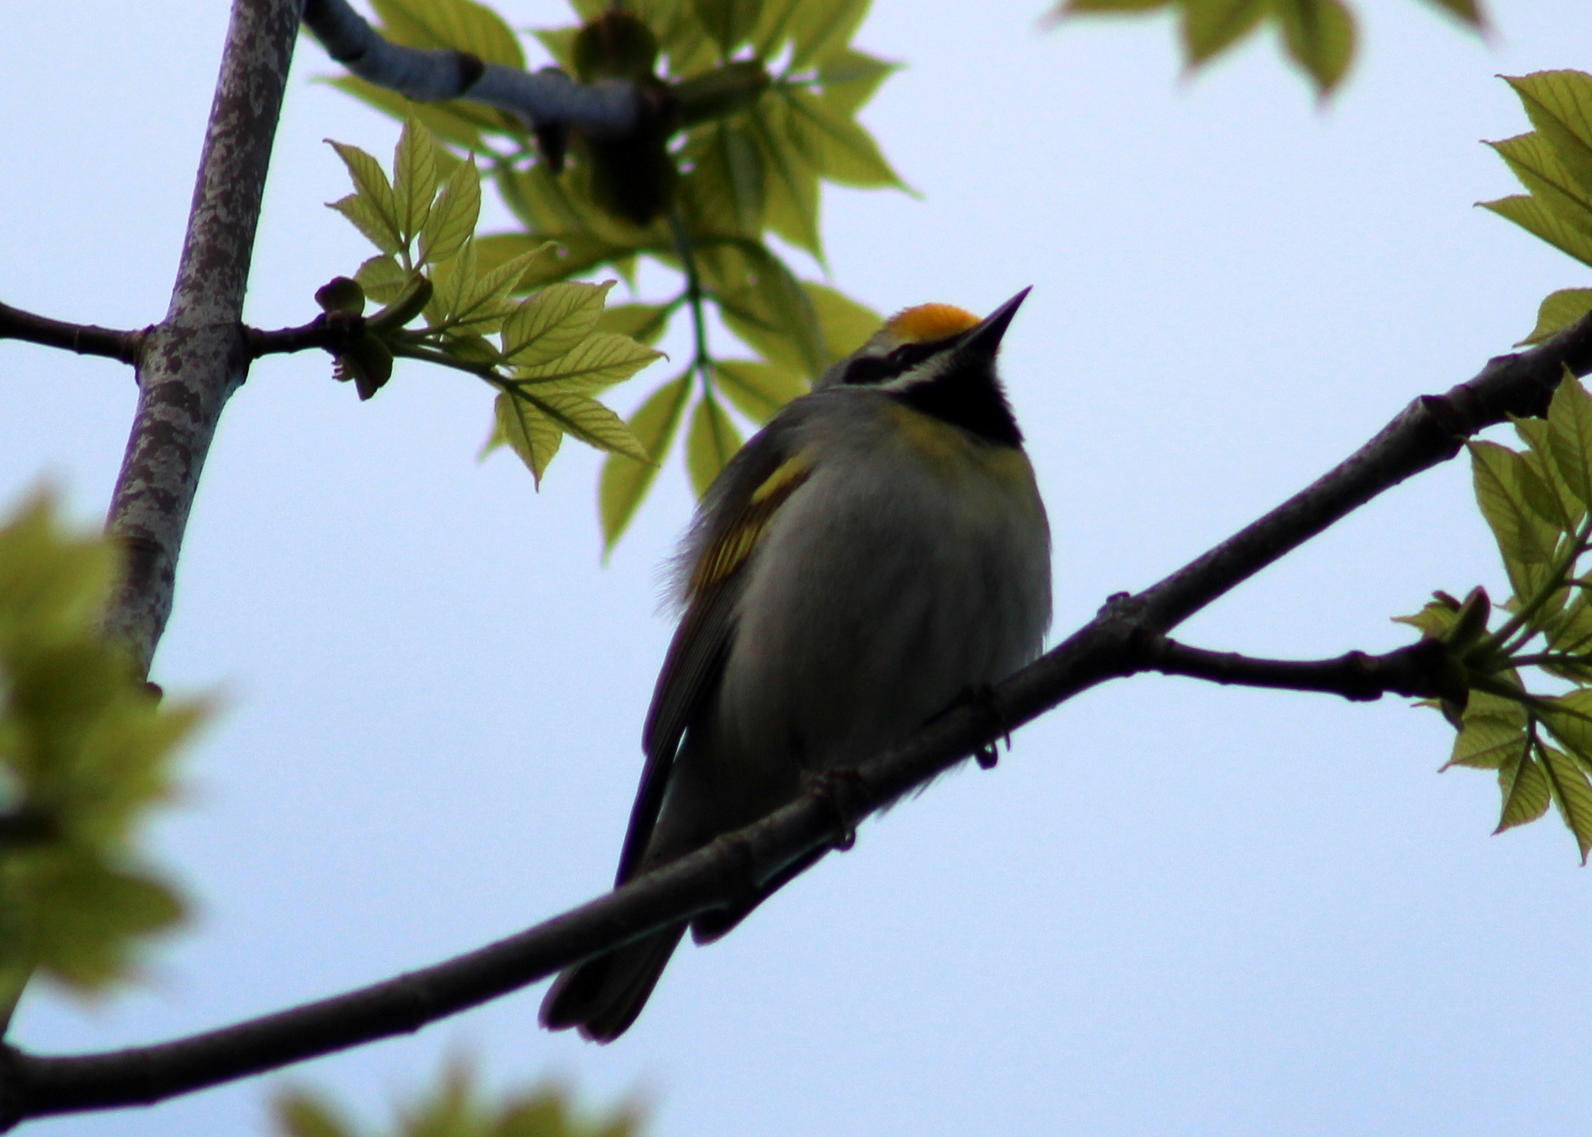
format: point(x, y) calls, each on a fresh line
point(1428, 431)
point(1110, 646)
point(193, 360)
point(1417, 670)
point(685, 249)
point(85, 339)
point(541, 98)
point(333, 333)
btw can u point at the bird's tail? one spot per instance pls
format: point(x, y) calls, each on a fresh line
point(602, 996)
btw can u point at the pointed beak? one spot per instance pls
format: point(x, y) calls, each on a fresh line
point(985, 337)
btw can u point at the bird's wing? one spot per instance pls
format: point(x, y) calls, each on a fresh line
point(742, 504)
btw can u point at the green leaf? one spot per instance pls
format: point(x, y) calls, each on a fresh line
point(644, 323)
point(54, 584)
point(1109, 7)
point(1559, 104)
point(711, 442)
point(625, 481)
point(1524, 539)
point(758, 389)
point(1559, 310)
point(600, 360)
point(1533, 161)
point(460, 24)
point(302, 1114)
point(375, 194)
point(383, 279)
point(1319, 35)
point(453, 218)
point(729, 22)
point(1467, 10)
point(563, 207)
point(1543, 485)
point(1569, 718)
point(591, 422)
point(1494, 734)
point(680, 34)
point(1525, 792)
point(479, 302)
point(724, 190)
point(1435, 618)
point(414, 164)
point(84, 754)
point(851, 78)
point(1571, 632)
point(1540, 221)
point(455, 1107)
point(471, 349)
point(368, 220)
point(528, 430)
point(784, 305)
point(1570, 437)
point(558, 43)
point(1210, 27)
point(790, 193)
point(555, 320)
point(820, 28)
point(86, 915)
point(1571, 794)
point(837, 147)
point(450, 280)
point(816, 29)
point(844, 323)
point(743, 314)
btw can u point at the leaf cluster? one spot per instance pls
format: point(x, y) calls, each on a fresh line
point(1554, 163)
point(455, 1108)
point(85, 752)
point(755, 106)
point(1538, 503)
point(544, 354)
point(1318, 36)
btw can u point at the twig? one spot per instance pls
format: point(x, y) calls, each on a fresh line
point(541, 98)
point(1416, 670)
point(85, 339)
point(329, 333)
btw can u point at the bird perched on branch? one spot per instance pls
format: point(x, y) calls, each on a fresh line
point(874, 553)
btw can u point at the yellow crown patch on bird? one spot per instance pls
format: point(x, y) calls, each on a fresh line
point(929, 322)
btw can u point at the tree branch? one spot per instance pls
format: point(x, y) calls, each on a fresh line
point(1428, 431)
point(85, 339)
point(542, 98)
point(191, 362)
point(1417, 670)
point(1118, 642)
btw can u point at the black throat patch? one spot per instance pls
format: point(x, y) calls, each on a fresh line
point(970, 398)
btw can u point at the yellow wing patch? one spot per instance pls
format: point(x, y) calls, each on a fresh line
point(929, 322)
point(729, 548)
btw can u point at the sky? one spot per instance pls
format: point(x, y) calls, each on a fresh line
point(1172, 909)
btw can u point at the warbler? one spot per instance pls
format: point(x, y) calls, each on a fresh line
point(874, 553)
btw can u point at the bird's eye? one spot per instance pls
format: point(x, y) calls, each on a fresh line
point(912, 354)
point(869, 370)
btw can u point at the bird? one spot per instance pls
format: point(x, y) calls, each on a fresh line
point(878, 551)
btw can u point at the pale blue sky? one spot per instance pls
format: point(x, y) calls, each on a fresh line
point(1174, 909)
